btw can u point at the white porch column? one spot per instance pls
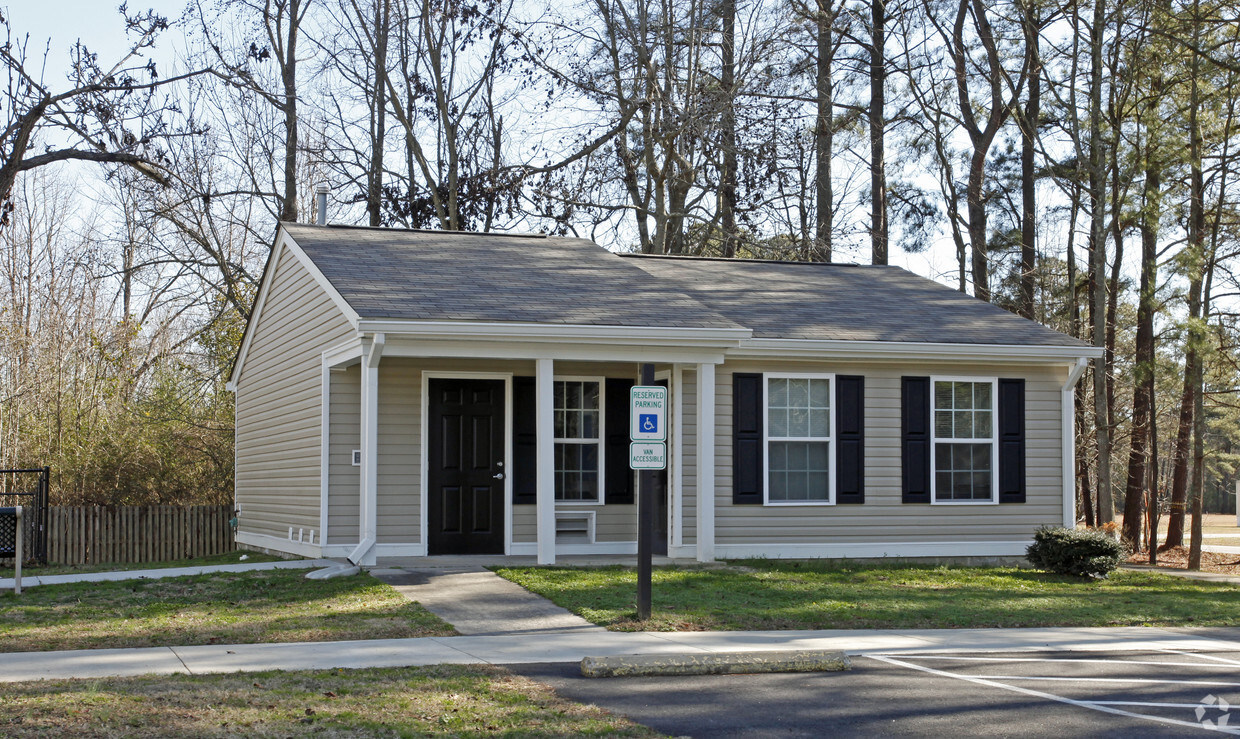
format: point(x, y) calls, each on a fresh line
point(544, 427)
point(677, 468)
point(368, 504)
point(706, 462)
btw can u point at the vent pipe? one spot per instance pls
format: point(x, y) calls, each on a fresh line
point(321, 204)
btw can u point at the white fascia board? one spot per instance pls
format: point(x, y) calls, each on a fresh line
point(896, 350)
point(398, 346)
point(283, 240)
point(718, 338)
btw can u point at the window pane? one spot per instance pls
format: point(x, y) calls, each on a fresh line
point(981, 424)
point(819, 422)
point(798, 393)
point(778, 425)
point(573, 395)
point(589, 425)
point(778, 486)
point(778, 391)
point(981, 395)
point(798, 485)
point(943, 396)
point(820, 393)
point(590, 395)
point(962, 395)
point(964, 425)
point(558, 394)
point(943, 424)
point(559, 425)
point(798, 421)
point(572, 425)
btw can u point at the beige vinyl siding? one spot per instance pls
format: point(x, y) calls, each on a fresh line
point(344, 480)
point(279, 404)
point(883, 518)
point(400, 448)
point(688, 439)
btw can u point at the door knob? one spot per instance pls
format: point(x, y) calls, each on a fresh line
point(498, 476)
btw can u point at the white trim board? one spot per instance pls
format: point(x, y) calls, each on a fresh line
point(904, 350)
point(530, 549)
point(280, 544)
point(779, 550)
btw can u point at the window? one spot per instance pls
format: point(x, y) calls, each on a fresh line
point(578, 418)
point(799, 453)
point(964, 459)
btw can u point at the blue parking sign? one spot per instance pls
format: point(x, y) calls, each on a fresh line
point(648, 423)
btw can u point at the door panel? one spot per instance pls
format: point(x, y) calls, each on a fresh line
point(466, 488)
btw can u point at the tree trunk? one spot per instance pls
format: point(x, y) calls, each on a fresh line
point(1098, 262)
point(1143, 360)
point(727, 195)
point(374, 174)
point(1196, 307)
point(878, 124)
point(824, 134)
point(977, 225)
point(1028, 182)
point(288, 78)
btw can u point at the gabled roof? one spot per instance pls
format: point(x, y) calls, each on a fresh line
point(406, 275)
point(844, 302)
point(399, 274)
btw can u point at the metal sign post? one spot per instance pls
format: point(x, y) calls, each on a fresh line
point(647, 429)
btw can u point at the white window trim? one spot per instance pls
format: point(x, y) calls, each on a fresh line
point(993, 441)
point(601, 440)
point(766, 440)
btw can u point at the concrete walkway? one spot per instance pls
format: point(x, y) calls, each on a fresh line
point(110, 576)
point(573, 646)
point(476, 601)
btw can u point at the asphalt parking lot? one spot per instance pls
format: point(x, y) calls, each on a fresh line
point(1128, 694)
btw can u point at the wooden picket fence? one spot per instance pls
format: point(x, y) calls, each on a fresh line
point(80, 535)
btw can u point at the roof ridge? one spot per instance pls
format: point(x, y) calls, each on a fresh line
point(741, 260)
point(396, 229)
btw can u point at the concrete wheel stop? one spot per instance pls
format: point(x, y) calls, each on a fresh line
point(718, 663)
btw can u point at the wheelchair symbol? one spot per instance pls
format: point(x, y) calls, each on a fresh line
point(648, 423)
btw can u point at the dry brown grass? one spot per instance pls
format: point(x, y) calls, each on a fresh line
point(425, 701)
point(1177, 559)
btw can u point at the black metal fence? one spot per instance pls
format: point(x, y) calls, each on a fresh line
point(29, 489)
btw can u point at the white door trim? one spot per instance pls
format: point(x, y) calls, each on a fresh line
point(423, 473)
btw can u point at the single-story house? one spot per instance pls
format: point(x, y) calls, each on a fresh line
point(408, 393)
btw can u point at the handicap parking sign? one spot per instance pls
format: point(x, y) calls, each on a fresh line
point(648, 413)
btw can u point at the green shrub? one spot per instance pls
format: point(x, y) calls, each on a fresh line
point(1084, 553)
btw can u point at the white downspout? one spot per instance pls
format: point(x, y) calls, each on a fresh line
point(1068, 434)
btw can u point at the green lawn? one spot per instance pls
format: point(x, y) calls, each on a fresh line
point(766, 594)
point(228, 558)
point(244, 607)
point(428, 701)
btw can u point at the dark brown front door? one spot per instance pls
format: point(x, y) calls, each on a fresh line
point(465, 454)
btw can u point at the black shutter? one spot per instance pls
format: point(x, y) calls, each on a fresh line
point(915, 439)
point(524, 441)
point(618, 477)
point(849, 439)
point(1011, 441)
point(747, 439)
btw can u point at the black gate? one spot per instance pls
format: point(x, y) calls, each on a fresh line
point(28, 488)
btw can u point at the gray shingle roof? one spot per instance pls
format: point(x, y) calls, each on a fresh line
point(799, 300)
point(450, 276)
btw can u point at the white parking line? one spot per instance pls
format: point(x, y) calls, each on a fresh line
point(1127, 680)
point(1091, 705)
point(954, 658)
point(1202, 656)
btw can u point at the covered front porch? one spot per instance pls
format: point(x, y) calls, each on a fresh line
point(508, 441)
